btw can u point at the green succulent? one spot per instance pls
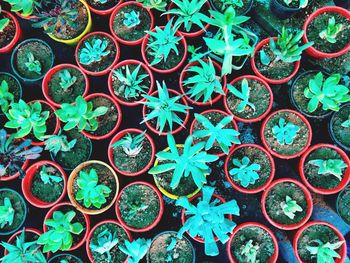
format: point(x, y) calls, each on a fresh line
point(24, 7)
point(93, 51)
point(346, 124)
point(332, 31)
point(285, 132)
point(106, 241)
point(33, 64)
point(233, 3)
point(154, 4)
point(331, 166)
point(66, 79)
point(4, 21)
point(131, 19)
point(135, 208)
point(250, 252)
point(325, 252)
point(302, 3)
point(58, 143)
point(136, 249)
point(132, 145)
point(243, 95)
point(6, 97)
point(245, 172)
point(169, 249)
point(48, 175)
point(7, 213)
point(290, 207)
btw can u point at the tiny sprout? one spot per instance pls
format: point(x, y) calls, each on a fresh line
point(250, 252)
point(48, 175)
point(132, 19)
point(290, 207)
point(33, 64)
point(331, 32)
point(244, 95)
point(285, 133)
point(132, 145)
point(67, 80)
point(330, 166)
point(169, 248)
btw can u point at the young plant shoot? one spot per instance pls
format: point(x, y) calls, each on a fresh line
point(48, 175)
point(6, 97)
point(7, 213)
point(132, 145)
point(325, 252)
point(290, 207)
point(154, 4)
point(66, 79)
point(243, 95)
point(250, 252)
point(106, 241)
point(334, 167)
point(136, 249)
point(332, 31)
point(285, 132)
point(245, 173)
point(93, 51)
point(33, 64)
point(131, 19)
point(58, 143)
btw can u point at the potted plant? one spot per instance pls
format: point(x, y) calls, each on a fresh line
point(63, 83)
point(161, 110)
point(252, 242)
point(103, 7)
point(10, 91)
point(96, 53)
point(343, 204)
point(276, 60)
point(321, 240)
point(181, 170)
point(248, 98)
point(131, 152)
point(249, 168)
point(65, 229)
point(129, 22)
point(284, 9)
point(286, 134)
point(32, 59)
point(10, 31)
point(164, 49)
point(93, 187)
point(217, 130)
point(242, 7)
point(65, 258)
point(286, 204)
point(166, 247)
point(328, 28)
point(44, 184)
point(13, 211)
point(129, 80)
point(139, 206)
point(339, 127)
point(325, 169)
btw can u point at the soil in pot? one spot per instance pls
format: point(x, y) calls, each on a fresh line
point(102, 6)
point(342, 134)
point(343, 205)
point(320, 23)
point(13, 85)
point(7, 35)
point(67, 257)
point(277, 195)
point(219, 5)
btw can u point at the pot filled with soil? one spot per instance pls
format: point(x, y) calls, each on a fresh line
point(339, 127)
point(10, 31)
point(103, 8)
point(241, 7)
point(284, 9)
point(343, 204)
point(10, 89)
point(65, 258)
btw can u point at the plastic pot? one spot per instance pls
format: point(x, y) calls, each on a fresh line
point(65, 255)
point(120, 135)
point(12, 239)
point(281, 11)
point(343, 192)
point(331, 130)
point(273, 258)
point(308, 198)
point(346, 176)
point(122, 64)
point(260, 75)
point(313, 51)
point(18, 33)
point(28, 180)
point(156, 221)
point(104, 12)
point(54, 70)
point(250, 77)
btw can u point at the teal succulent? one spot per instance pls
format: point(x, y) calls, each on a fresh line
point(131, 19)
point(7, 213)
point(325, 252)
point(6, 97)
point(66, 79)
point(58, 143)
point(285, 132)
point(250, 252)
point(290, 207)
point(331, 166)
point(171, 246)
point(245, 172)
point(243, 95)
point(94, 51)
point(154, 4)
point(233, 3)
point(136, 249)
point(132, 145)
point(48, 175)
point(106, 241)
point(346, 124)
point(33, 64)
point(331, 32)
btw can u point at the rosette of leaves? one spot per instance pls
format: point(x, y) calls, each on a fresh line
point(24, 7)
point(154, 4)
point(285, 132)
point(250, 252)
point(290, 207)
point(244, 171)
point(58, 143)
point(66, 79)
point(6, 97)
point(243, 95)
point(131, 19)
point(325, 252)
point(93, 51)
point(33, 64)
point(334, 167)
point(331, 32)
point(106, 241)
point(136, 249)
point(132, 145)
point(48, 175)
point(7, 213)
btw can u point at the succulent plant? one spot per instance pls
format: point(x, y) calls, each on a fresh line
point(331, 166)
point(4, 21)
point(346, 124)
point(58, 143)
point(131, 19)
point(132, 145)
point(66, 79)
point(32, 64)
point(250, 252)
point(169, 249)
point(332, 31)
point(302, 3)
point(233, 3)
point(48, 175)
point(93, 51)
point(290, 207)
point(7, 213)
point(243, 95)
point(134, 208)
point(24, 7)
point(136, 249)
point(6, 97)
point(245, 172)
point(106, 241)
point(325, 252)
point(154, 4)
point(285, 132)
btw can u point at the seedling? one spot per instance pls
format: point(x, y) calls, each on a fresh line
point(154, 4)
point(243, 95)
point(33, 64)
point(346, 124)
point(331, 166)
point(58, 143)
point(132, 145)
point(4, 21)
point(6, 97)
point(169, 249)
point(7, 213)
point(24, 7)
point(233, 3)
point(250, 252)
point(332, 31)
point(246, 173)
point(290, 207)
point(136, 249)
point(67, 80)
point(302, 3)
point(285, 132)
point(93, 51)
point(135, 208)
point(106, 241)
point(131, 19)
point(325, 252)
point(48, 175)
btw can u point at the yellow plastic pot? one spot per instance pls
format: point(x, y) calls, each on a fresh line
point(75, 40)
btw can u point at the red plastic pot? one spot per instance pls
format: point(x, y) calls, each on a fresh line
point(111, 20)
point(117, 137)
point(273, 258)
point(252, 77)
point(95, 137)
point(103, 12)
point(27, 183)
point(149, 126)
point(182, 88)
point(220, 112)
point(156, 221)
point(107, 70)
point(308, 198)
point(51, 72)
point(298, 234)
point(163, 71)
point(18, 33)
point(124, 63)
point(344, 181)
point(88, 240)
point(12, 239)
point(263, 139)
point(313, 51)
point(87, 221)
point(236, 185)
point(260, 75)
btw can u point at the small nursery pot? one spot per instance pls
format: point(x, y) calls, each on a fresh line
point(115, 107)
point(91, 233)
point(312, 51)
point(102, 12)
point(27, 184)
point(273, 258)
point(236, 185)
point(111, 152)
point(156, 219)
point(149, 126)
point(346, 174)
point(12, 239)
point(60, 257)
point(72, 182)
point(282, 11)
point(86, 222)
point(18, 32)
point(308, 200)
point(305, 125)
point(107, 69)
point(13, 83)
point(259, 94)
point(138, 6)
point(340, 135)
point(123, 64)
point(258, 47)
point(223, 81)
point(20, 207)
point(299, 235)
point(52, 72)
point(342, 205)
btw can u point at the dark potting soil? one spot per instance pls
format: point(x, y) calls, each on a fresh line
point(259, 237)
point(116, 254)
point(344, 205)
point(102, 6)
point(277, 195)
point(257, 156)
point(182, 253)
point(134, 197)
point(18, 205)
point(324, 181)
point(58, 94)
point(299, 142)
point(340, 132)
point(308, 237)
point(320, 23)
point(218, 4)
point(259, 96)
point(137, 32)
point(7, 35)
point(13, 85)
point(61, 258)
